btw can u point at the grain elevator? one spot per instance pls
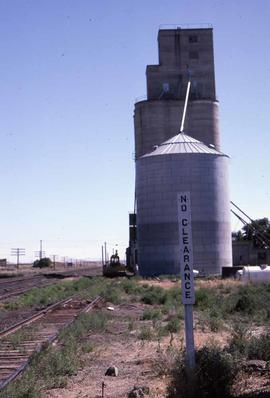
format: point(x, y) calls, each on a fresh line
point(168, 162)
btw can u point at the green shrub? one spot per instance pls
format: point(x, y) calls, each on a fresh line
point(154, 295)
point(215, 323)
point(174, 295)
point(130, 286)
point(215, 372)
point(25, 334)
point(214, 375)
point(112, 294)
point(43, 263)
point(173, 326)
point(26, 388)
point(87, 347)
point(259, 347)
point(146, 333)
point(245, 303)
point(151, 314)
point(239, 341)
point(214, 319)
point(160, 330)
point(55, 363)
point(205, 299)
point(249, 300)
point(95, 321)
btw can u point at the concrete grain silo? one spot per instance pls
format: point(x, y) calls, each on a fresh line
point(182, 164)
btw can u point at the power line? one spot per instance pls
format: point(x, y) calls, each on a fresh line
point(18, 251)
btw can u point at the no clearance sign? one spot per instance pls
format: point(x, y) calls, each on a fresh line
point(186, 247)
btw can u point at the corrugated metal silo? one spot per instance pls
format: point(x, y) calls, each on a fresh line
point(183, 164)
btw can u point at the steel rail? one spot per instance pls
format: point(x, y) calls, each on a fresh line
point(9, 285)
point(9, 288)
point(14, 328)
point(47, 337)
point(12, 279)
point(21, 291)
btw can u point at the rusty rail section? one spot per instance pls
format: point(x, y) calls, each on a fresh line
point(14, 357)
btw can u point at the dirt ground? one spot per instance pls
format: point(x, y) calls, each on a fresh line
point(117, 346)
point(142, 363)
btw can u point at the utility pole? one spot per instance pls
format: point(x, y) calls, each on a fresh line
point(18, 252)
point(40, 249)
point(102, 254)
point(54, 256)
point(40, 253)
point(105, 249)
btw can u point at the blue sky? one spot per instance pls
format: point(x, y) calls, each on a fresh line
point(70, 72)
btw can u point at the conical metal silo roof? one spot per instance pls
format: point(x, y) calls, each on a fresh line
point(183, 143)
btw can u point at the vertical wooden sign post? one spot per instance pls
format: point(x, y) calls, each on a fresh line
point(186, 272)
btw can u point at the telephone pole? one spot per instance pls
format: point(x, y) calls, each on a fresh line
point(40, 253)
point(54, 256)
point(18, 252)
point(40, 249)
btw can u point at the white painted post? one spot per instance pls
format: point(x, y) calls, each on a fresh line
point(186, 271)
point(189, 335)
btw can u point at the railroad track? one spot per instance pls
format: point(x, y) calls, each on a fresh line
point(15, 286)
point(47, 325)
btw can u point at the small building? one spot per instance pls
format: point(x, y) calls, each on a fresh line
point(3, 262)
point(245, 253)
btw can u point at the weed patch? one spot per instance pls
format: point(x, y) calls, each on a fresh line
point(151, 314)
point(205, 299)
point(42, 297)
point(22, 335)
point(146, 333)
point(214, 374)
point(239, 340)
point(259, 347)
point(243, 345)
point(249, 301)
point(154, 295)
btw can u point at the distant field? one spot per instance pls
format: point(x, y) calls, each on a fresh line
point(11, 269)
